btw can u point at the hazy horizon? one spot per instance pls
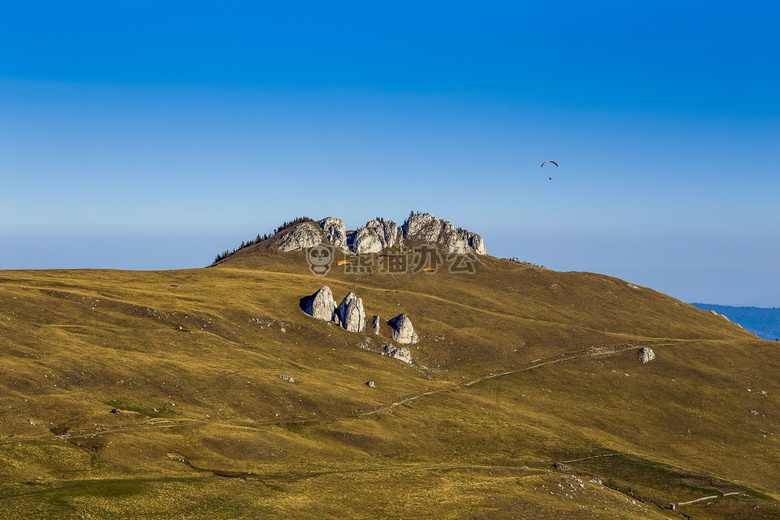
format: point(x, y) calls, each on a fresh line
point(146, 136)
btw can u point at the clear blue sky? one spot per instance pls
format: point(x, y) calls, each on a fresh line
point(154, 135)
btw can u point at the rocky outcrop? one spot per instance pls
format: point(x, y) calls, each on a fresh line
point(321, 305)
point(646, 355)
point(375, 236)
point(453, 242)
point(403, 331)
point(399, 353)
point(350, 312)
point(351, 315)
point(424, 227)
point(477, 243)
point(335, 233)
point(380, 234)
point(365, 240)
point(302, 236)
point(388, 232)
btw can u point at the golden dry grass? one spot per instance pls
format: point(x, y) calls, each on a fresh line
point(518, 368)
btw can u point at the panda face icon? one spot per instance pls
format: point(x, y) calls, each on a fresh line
point(320, 258)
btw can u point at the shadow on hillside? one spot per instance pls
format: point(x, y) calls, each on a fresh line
point(304, 302)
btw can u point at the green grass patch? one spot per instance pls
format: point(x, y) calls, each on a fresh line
point(651, 481)
point(104, 488)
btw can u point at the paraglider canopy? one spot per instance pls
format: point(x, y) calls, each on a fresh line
point(545, 162)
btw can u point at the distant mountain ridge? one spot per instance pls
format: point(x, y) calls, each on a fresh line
point(763, 322)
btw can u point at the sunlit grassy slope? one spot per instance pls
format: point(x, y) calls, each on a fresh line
point(518, 368)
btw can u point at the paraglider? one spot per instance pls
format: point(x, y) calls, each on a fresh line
point(555, 163)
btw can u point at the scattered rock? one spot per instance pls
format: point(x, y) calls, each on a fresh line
point(646, 355)
point(351, 313)
point(116, 410)
point(286, 378)
point(561, 466)
point(403, 331)
point(370, 384)
point(321, 304)
point(375, 324)
point(399, 353)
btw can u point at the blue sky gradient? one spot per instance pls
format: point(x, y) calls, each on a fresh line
point(135, 135)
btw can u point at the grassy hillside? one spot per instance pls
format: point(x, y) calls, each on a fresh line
point(526, 400)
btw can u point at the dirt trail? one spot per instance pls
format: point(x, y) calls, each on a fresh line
point(596, 351)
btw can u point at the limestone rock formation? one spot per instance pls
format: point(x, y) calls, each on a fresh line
point(379, 234)
point(350, 312)
point(365, 240)
point(299, 238)
point(425, 227)
point(453, 242)
point(351, 315)
point(477, 243)
point(388, 232)
point(403, 331)
point(646, 355)
point(335, 233)
point(399, 353)
point(321, 304)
